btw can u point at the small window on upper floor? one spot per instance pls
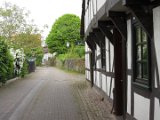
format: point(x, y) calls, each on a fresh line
point(141, 59)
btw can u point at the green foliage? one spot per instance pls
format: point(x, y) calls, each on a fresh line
point(76, 52)
point(63, 57)
point(13, 20)
point(38, 53)
point(24, 70)
point(80, 51)
point(65, 29)
point(19, 31)
point(31, 43)
point(6, 62)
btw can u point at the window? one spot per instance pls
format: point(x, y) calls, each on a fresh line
point(141, 56)
point(103, 55)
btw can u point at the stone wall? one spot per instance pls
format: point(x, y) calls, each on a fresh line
point(77, 65)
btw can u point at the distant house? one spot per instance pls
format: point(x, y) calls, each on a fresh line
point(46, 55)
point(123, 54)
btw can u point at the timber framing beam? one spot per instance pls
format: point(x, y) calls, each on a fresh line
point(94, 38)
point(82, 31)
point(144, 16)
point(156, 3)
point(105, 27)
point(119, 21)
point(99, 35)
point(90, 43)
point(136, 2)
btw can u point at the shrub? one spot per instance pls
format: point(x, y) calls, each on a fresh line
point(24, 70)
point(80, 51)
point(6, 62)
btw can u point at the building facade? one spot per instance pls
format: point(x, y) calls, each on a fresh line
point(123, 54)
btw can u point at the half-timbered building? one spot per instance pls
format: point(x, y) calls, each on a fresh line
point(123, 54)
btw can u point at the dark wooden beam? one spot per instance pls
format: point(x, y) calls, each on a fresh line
point(118, 56)
point(119, 21)
point(82, 29)
point(91, 67)
point(105, 26)
point(136, 2)
point(99, 35)
point(144, 16)
point(91, 42)
point(89, 45)
point(94, 38)
point(156, 3)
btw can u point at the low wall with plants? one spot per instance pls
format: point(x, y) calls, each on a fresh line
point(71, 64)
point(75, 65)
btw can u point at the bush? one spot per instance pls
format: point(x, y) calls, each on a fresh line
point(6, 62)
point(80, 51)
point(24, 70)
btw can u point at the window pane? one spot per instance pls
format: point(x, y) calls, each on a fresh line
point(138, 34)
point(145, 70)
point(144, 36)
point(145, 53)
point(139, 70)
point(139, 52)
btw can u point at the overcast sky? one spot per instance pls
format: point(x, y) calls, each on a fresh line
point(47, 11)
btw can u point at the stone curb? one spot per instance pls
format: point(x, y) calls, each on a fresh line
point(10, 81)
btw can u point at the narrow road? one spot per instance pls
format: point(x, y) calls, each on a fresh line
point(52, 94)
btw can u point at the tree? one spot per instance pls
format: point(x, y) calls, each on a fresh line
point(65, 29)
point(6, 62)
point(31, 44)
point(19, 31)
point(13, 20)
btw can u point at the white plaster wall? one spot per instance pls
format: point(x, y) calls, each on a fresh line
point(108, 85)
point(141, 107)
point(156, 23)
point(86, 4)
point(129, 45)
point(98, 79)
point(89, 76)
point(91, 10)
point(46, 56)
point(100, 3)
point(155, 81)
point(98, 50)
point(129, 63)
point(129, 95)
point(156, 109)
point(104, 83)
point(89, 14)
point(156, 19)
point(87, 64)
point(94, 6)
point(95, 75)
point(112, 87)
point(112, 56)
point(87, 59)
point(109, 79)
point(86, 20)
